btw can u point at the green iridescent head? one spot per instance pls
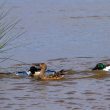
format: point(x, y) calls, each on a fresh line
point(101, 66)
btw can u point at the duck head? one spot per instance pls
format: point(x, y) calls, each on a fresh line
point(99, 66)
point(41, 73)
point(43, 66)
point(34, 68)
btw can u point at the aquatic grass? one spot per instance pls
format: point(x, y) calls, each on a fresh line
point(8, 32)
point(5, 39)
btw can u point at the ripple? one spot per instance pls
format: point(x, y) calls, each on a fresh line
point(60, 101)
point(4, 98)
point(91, 99)
point(71, 92)
point(89, 17)
point(107, 99)
point(99, 108)
point(24, 98)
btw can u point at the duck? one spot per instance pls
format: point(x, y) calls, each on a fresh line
point(34, 69)
point(102, 66)
point(41, 73)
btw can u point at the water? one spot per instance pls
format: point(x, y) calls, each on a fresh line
point(65, 34)
point(69, 94)
point(60, 29)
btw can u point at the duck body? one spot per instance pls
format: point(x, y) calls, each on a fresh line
point(107, 68)
point(46, 74)
point(35, 72)
point(41, 72)
point(23, 73)
point(50, 72)
point(49, 75)
point(34, 69)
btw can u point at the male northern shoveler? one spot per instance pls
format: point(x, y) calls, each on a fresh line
point(33, 69)
point(101, 66)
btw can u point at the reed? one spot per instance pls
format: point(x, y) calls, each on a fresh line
point(8, 33)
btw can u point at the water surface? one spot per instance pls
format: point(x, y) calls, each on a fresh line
point(66, 34)
point(60, 29)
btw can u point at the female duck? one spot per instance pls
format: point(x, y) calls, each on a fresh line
point(41, 73)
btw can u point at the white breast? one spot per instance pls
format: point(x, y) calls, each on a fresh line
point(107, 68)
point(37, 73)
